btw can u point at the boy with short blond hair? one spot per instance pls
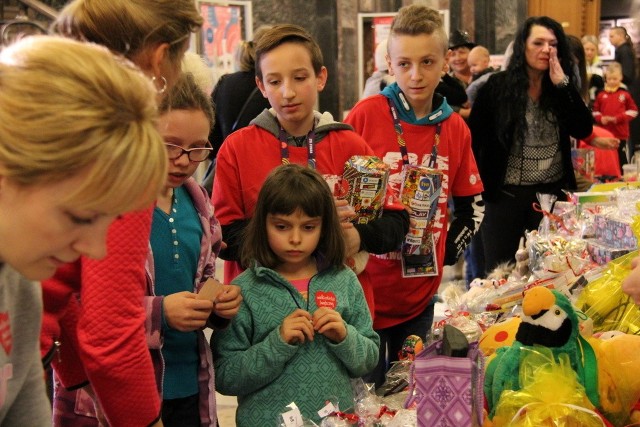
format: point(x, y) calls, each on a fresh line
point(614, 108)
point(409, 124)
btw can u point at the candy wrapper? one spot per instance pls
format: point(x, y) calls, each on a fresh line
point(550, 395)
point(555, 254)
point(464, 321)
point(614, 231)
point(511, 293)
point(292, 417)
point(546, 204)
point(603, 254)
point(365, 179)
point(420, 192)
point(626, 201)
point(584, 162)
point(480, 293)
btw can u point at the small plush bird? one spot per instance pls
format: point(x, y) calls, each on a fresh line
point(548, 320)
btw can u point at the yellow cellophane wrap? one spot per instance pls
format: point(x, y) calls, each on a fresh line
point(603, 300)
point(550, 395)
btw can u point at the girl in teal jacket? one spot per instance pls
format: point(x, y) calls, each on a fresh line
point(304, 328)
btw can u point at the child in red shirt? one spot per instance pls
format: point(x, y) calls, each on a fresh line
point(614, 108)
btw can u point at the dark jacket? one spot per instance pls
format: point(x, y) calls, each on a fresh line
point(229, 96)
point(626, 56)
point(491, 151)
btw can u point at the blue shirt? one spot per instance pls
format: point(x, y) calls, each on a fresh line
point(175, 241)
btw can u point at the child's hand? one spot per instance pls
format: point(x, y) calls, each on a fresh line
point(345, 212)
point(227, 304)
point(185, 313)
point(329, 323)
point(631, 283)
point(296, 328)
point(608, 119)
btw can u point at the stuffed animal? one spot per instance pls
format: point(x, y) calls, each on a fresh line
point(548, 320)
point(618, 379)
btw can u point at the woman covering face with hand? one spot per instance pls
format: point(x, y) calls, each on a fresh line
point(76, 151)
point(521, 136)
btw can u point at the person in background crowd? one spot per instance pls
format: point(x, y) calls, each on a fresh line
point(460, 75)
point(411, 124)
point(460, 45)
point(625, 54)
point(595, 74)
point(78, 148)
point(380, 77)
point(304, 317)
point(614, 108)
point(237, 100)
point(94, 325)
point(521, 136)
point(601, 141)
point(479, 61)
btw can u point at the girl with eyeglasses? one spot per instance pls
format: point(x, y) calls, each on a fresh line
point(185, 241)
point(66, 175)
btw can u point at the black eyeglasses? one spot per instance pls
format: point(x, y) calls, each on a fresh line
point(194, 154)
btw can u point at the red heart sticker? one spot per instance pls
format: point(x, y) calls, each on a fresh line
point(5, 333)
point(326, 299)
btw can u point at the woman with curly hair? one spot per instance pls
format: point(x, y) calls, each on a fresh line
point(521, 125)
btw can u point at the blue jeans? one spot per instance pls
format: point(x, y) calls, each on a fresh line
point(391, 340)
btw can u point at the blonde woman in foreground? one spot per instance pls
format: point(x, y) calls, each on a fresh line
point(97, 341)
point(78, 147)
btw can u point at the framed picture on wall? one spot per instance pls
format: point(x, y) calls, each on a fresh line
point(633, 29)
point(605, 49)
point(227, 23)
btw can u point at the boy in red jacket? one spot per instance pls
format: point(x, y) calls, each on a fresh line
point(407, 124)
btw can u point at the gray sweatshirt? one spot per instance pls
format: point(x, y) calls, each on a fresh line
point(23, 399)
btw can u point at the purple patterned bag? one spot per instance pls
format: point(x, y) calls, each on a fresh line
point(447, 391)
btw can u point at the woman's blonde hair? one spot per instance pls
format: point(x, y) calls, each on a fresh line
point(68, 107)
point(129, 26)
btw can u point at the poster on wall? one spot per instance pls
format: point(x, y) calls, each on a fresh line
point(605, 49)
point(226, 25)
point(381, 26)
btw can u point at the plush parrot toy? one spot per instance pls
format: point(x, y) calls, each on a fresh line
point(548, 320)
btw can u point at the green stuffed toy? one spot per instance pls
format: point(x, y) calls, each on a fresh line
point(548, 320)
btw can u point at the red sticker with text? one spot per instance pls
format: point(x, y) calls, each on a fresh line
point(326, 299)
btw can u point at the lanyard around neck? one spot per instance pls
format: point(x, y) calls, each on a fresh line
point(311, 152)
point(403, 145)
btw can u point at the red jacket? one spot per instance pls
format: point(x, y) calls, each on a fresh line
point(103, 337)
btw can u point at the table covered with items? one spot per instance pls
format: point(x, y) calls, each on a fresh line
point(549, 341)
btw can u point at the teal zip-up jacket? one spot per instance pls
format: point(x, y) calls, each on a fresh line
point(255, 364)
